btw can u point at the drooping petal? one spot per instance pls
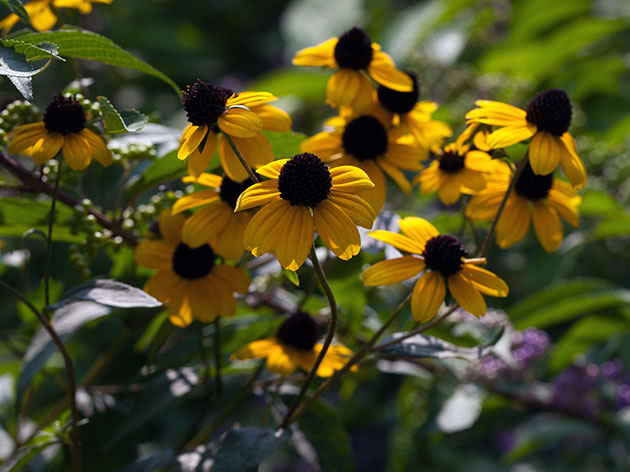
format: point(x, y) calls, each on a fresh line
point(47, 147)
point(484, 207)
point(399, 241)
point(514, 222)
point(355, 207)
point(272, 170)
point(203, 225)
point(202, 197)
point(100, 151)
point(565, 205)
point(396, 175)
point(228, 242)
point(485, 281)
point(349, 88)
point(466, 295)
point(171, 226)
point(258, 194)
point(325, 145)
point(154, 254)
point(26, 136)
point(240, 122)
point(263, 229)
point(392, 271)
point(273, 119)
point(571, 163)
point(450, 191)
point(256, 151)
point(350, 179)
point(280, 362)
point(295, 237)
point(431, 179)
point(197, 162)
point(337, 230)
point(383, 71)
point(548, 226)
point(428, 295)
point(209, 180)
point(545, 152)
point(479, 160)
point(256, 349)
point(496, 114)
point(193, 139)
point(377, 195)
point(235, 277)
point(418, 229)
point(76, 151)
point(322, 54)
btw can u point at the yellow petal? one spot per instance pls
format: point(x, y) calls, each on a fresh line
point(256, 151)
point(355, 207)
point(195, 199)
point(337, 230)
point(76, 151)
point(431, 179)
point(224, 294)
point(428, 295)
point(99, 149)
point(272, 170)
point(171, 226)
point(375, 196)
point(240, 122)
point(192, 141)
point(383, 71)
point(350, 179)
point(479, 160)
point(197, 162)
point(571, 162)
point(258, 194)
point(26, 136)
point(450, 191)
point(43, 18)
point(349, 88)
point(565, 206)
point(209, 180)
point(273, 119)
point(263, 229)
point(514, 222)
point(466, 295)
point(418, 229)
point(510, 135)
point(255, 350)
point(280, 362)
point(228, 243)
point(496, 114)
point(325, 145)
point(545, 152)
point(322, 54)
point(250, 99)
point(392, 271)
point(485, 281)
point(396, 175)
point(484, 207)
point(47, 148)
point(236, 278)
point(154, 254)
point(296, 239)
point(548, 226)
point(204, 224)
point(399, 241)
point(405, 156)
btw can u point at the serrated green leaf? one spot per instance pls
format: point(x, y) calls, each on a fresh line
point(17, 7)
point(82, 44)
point(120, 122)
point(32, 52)
point(15, 64)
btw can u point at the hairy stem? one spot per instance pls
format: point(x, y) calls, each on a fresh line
point(332, 327)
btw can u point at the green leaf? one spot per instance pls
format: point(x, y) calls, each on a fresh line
point(120, 122)
point(32, 52)
point(15, 64)
point(292, 276)
point(79, 306)
point(17, 7)
point(167, 167)
point(618, 225)
point(309, 86)
point(285, 145)
point(245, 448)
point(159, 461)
point(24, 456)
point(582, 335)
point(82, 44)
point(598, 203)
point(325, 431)
point(565, 309)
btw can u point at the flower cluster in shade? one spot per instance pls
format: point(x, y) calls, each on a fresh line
point(42, 16)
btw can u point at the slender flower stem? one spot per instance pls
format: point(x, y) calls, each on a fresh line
point(74, 434)
point(240, 157)
point(51, 223)
point(358, 356)
point(332, 327)
point(493, 225)
point(217, 357)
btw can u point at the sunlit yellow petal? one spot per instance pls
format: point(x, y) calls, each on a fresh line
point(256, 151)
point(76, 151)
point(418, 229)
point(204, 224)
point(256, 350)
point(295, 237)
point(485, 281)
point(545, 152)
point(209, 180)
point(100, 152)
point(273, 119)
point(250, 99)
point(192, 141)
point(262, 231)
point(355, 207)
point(48, 147)
point(272, 170)
point(349, 87)
point(321, 55)
point(383, 71)
point(466, 295)
point(350, 179)
point(571, 163)
point(375, 196)
point(337, 230)
point(197, 162)
point(324, 145)
point(240, 122)
point(509, 135)
point(399, 241)
point(392, 271)
point(258, 194)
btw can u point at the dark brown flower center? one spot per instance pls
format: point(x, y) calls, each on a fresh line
point(365, 138)
point(354, 50)
point(550, 111)
point(231, 190)
point(399, 102)
point(204, 102)
point(532, 186)
point(304, 180)
point(451, 162)
point(193, 263)
point(299, 331)
point(444, 254)
point(64, 115)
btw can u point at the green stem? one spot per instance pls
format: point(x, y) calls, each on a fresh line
point(332, 327)
point(358, 356)
point(51, 222)
point(217, 357)
point(493, 225)
point(74, 434)
point(240, 157)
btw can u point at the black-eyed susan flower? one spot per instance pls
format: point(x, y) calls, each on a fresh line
point(216, 223)
point(190, 281)
point(355, 56)
point(42, 16)
point(295, 346)
point(212, 110)
point(456, 169)
point(542, 199)
point(546, 121)
point(302, 195)
point(63, 129)
point(443, 260)
point(366, 142)
point(414, 116)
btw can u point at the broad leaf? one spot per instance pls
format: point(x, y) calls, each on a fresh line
point(245, 448)
point(110, 293)
point(17, 7)
point(120, 122)
point(421, 346)
point(19, 460)
point(82, 44)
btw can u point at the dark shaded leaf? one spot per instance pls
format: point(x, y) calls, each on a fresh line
point(245, 448)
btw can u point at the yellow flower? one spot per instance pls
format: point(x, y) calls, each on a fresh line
point(546, 121)
point(63, 129)
point(41, 15)
point(212, 110)
point(365, 142)
point(304, 195)
point(456, 169)
point(190, 281)
point(413, 116)
point(295, 346)
point(441, 258)
point(354, 55)
point(216, 223)
point(540, 198)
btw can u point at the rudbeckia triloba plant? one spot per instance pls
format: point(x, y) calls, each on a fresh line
point(194, 241)
point(443, 261)
point(239, 117)
point(295, 347)
point(190, 281)
point(356, 59)
point(63, 129)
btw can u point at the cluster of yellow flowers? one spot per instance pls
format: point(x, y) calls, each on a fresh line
point(337, 183)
